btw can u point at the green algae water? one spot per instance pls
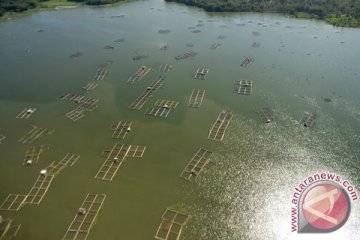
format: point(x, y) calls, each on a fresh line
point(245, 192)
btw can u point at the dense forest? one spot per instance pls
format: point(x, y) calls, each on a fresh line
point(336, 12)
point(23, 5)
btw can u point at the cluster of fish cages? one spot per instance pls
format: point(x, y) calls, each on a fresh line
point(15, 202)
point(161, 108)
point(115, 157)
point(82, 104)
point(139, 74)
point(185, 55)
point(149, 92)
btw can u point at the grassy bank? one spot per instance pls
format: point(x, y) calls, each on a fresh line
point(19, 11)
point(58, 3)
point(15, 8)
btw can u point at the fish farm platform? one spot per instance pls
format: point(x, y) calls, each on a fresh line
point(218, 129)
point(308, 119)
point(149, 92)
point(120, 129)
point(26, 113)
point(171, 225)
point(243, 87)
point(115, 157)
point(81, 225)
point(196, 164)
point(139, 74)
point(201, 73)
point(196, 98)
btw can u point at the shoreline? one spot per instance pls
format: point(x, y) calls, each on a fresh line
point(55, 5)
point(336, 21)
point(50, 5)
point(331, 19)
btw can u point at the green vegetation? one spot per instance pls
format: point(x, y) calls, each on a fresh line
point(56, 3)
point(17, 6)
point(179, 207)
point(345, 13)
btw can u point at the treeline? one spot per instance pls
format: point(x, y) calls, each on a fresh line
point(337, 12)
point(97, 2)
point(17, 5)
point(23, 5)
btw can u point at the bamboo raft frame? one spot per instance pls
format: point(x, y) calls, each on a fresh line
point(144, 97)
point(243, 87)
point(69, 160)
point(247, 62)
point(201, 73)
point(136, 151)
point(115, 157)
point(308, 119)
point(83, 104)
point(166, 103)
point(82, 223)
point(218, 129)
point(196, 98)
point(100, 74)
point(158, 111)
point(80, 99)
point(33, 134)
point(165, 68)
point(26, 113)
point(2, 137)
point(8, 230)
point(265, 115)
point(185, 55)
point(120, 129)
point(90, 86)
point(13, 202)
point(196, 164)
point(33, 153)
point(162, 108)
point(214, 46)
point(171, 225)
point(39, 189)
point(139, 74)
point(75, 114)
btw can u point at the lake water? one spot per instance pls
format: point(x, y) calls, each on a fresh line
point(245, 193)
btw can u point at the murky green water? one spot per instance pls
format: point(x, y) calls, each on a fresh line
point(246, 192)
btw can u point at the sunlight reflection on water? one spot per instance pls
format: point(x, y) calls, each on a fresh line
point(246, 192)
